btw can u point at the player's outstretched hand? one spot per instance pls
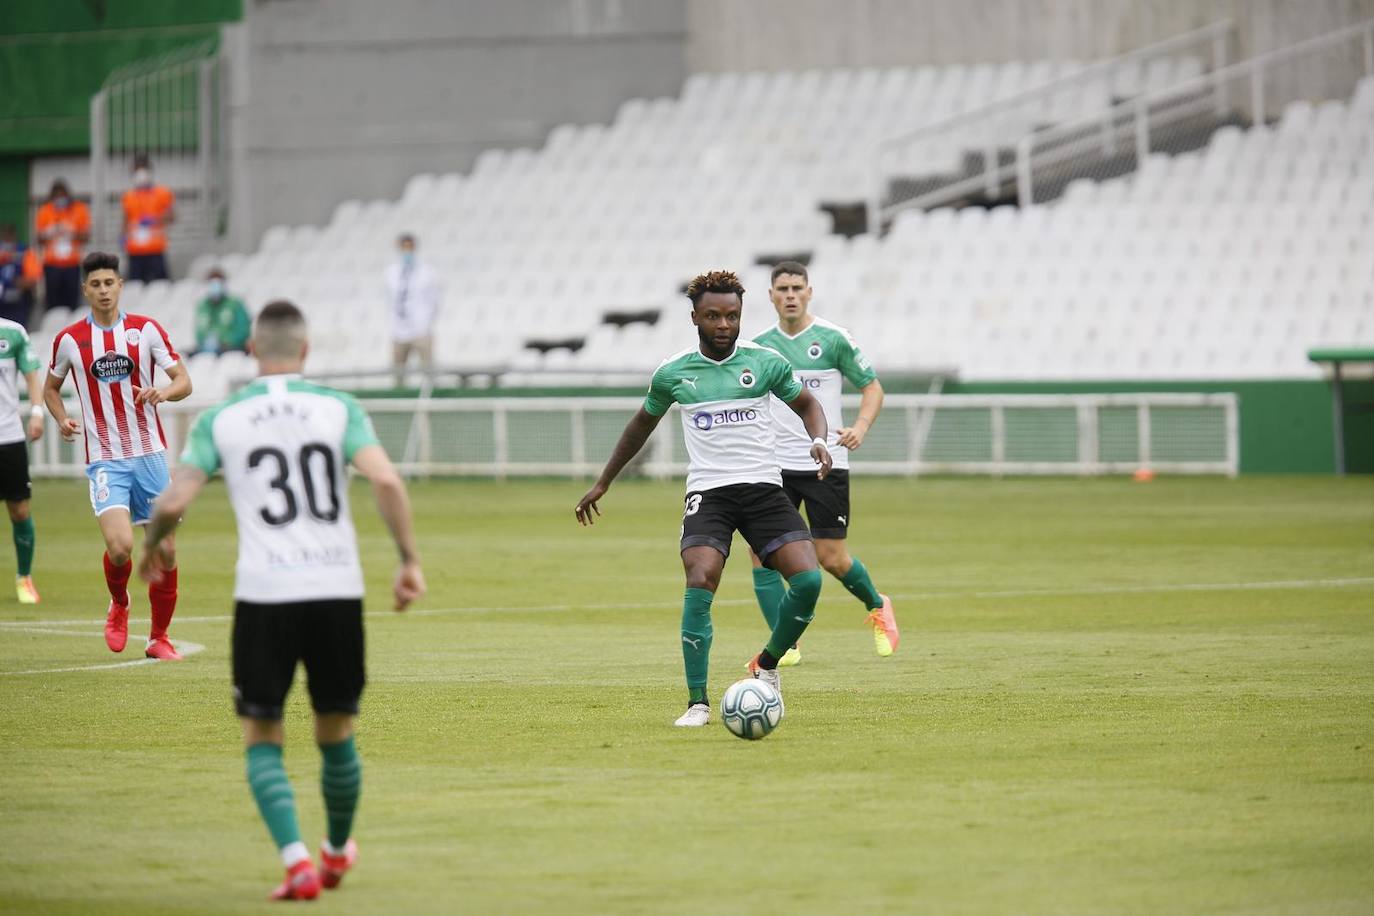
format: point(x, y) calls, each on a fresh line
point(851, 437)
point(409, 585)
point(69, 429)
point(153, 564)
point(148, 395)
point(587, 507)
point(821, 455)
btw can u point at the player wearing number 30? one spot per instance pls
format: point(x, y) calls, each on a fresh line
point(283, 445)
point(733, 483)
point(112, 357)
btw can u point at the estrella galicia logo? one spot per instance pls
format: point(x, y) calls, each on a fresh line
point(112, 368)
point(814, 351)
point(746, 378)
point(735, 416)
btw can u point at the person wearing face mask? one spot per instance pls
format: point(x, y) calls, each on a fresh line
point(222, 321)
point(414, 294)
point(20, 272)
point(148, 210)
point(64, 226)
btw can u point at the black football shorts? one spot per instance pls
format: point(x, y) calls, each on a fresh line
point(269, 639)
point(826, 501)
point(761, 512)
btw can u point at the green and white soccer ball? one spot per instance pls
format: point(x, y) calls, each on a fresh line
point(750, 709)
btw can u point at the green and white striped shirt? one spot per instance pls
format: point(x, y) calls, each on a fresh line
point(726, 412)
point(16, 359)
point(823, 356)
point(284, 445)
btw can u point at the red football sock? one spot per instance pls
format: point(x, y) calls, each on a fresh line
point(162, 597)
point(117, 580)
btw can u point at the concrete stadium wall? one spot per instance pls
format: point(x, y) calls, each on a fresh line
point(340, 99)
point(794, 34)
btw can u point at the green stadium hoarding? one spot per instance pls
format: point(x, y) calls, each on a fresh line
point(1285, 425)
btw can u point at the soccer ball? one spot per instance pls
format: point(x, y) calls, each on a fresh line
point(750, 709)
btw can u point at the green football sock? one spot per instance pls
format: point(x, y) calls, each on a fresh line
point(341, 779)
point(272, 792)
point(796, 611)
point(696, 641)
point(861, 586)
point(768, 588)
point(23, 544)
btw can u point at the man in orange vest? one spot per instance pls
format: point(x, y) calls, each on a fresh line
point(64, 225)
point(148, 210)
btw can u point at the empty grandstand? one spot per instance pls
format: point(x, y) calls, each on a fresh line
point(1197, 229)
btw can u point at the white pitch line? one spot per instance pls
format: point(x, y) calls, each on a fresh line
point(911, 596)
point(1148, 589)
point(184, 646)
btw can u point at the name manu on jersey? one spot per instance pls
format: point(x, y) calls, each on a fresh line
point(271, 411)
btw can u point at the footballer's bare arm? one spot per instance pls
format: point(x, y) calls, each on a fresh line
point(636, 433)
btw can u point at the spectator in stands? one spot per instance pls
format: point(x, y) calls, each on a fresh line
point(148, 210)
point(20, 272)
point(64, 225)
point(414, 294)
point(222, 321)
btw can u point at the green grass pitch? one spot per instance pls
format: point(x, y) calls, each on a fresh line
point(1110, 697)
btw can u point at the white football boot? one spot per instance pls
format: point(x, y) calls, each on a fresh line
point(771, 678)
point(697, 715)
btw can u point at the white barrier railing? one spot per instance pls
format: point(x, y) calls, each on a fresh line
point(1136, 126)
point(170, 108)
point(986, 128)
point(1079, 434)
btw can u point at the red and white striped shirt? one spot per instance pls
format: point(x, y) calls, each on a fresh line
point(107, 363)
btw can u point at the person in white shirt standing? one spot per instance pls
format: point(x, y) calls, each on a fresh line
point(414, 295)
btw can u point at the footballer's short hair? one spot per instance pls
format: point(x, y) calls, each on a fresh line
point(795, 268)
point(279, 330)
point(716, 281)
point(99, 260)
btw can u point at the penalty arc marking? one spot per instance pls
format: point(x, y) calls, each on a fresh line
point(184, 646)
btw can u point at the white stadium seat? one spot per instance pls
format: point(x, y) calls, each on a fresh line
point(1151, 274)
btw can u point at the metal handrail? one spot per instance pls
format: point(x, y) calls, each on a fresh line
point(140, 68)
point(1217, 33)
point(1219, 29)
point(1139, 107)
point(199, 62)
